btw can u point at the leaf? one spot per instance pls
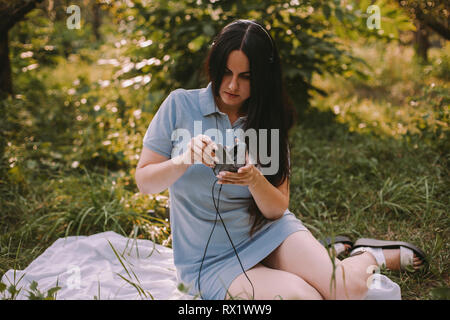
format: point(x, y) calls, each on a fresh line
point(15, 174)
point(208, 29)
point(33, 285)
point(442, 293)
point(339, 14)
point(326, 11)
point(2, 287)
point(196, 44)
point(52, 291)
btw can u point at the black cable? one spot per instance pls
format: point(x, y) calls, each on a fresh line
point(207, 243)
point(209, 238)
point(237, 256)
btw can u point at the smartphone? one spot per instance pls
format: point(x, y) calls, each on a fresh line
point(227, 159)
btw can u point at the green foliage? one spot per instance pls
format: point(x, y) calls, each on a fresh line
point(11, 292)
point(351, 21)
point(433, 125)
point(41, 42)
point(36, 294)
point(177, 35)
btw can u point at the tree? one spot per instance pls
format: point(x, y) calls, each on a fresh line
point(10, 14)
point(177, 35)
point(430, 15)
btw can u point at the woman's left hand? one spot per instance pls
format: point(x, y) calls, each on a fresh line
point(246, 176)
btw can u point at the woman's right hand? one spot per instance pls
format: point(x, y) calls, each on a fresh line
point(202, 149)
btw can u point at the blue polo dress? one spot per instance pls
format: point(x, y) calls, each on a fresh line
point(183, 115)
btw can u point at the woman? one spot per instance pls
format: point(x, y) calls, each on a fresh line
point(233, 234)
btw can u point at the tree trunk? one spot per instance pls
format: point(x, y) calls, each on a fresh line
point(51, 10)
point(96, 20)
point(5, 65)
point(5, 90)
point(9, 16)
point(422, 42)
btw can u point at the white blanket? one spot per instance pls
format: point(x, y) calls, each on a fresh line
point(86, 267)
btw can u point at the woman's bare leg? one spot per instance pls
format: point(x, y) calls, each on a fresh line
point(303, 255)
point(271, 284)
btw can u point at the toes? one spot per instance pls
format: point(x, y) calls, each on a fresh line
point(417, 262)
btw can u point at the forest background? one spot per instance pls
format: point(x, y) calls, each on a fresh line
point(81, 80)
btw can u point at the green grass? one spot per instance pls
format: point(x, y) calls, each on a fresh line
point(360, 186)
point(370, 160)
point(378, 165)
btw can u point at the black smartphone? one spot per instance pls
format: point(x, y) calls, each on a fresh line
point(227, 159)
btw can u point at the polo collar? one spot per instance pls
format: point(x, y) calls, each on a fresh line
point(207, 103)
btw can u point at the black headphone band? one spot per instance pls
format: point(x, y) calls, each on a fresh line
point(272, 55)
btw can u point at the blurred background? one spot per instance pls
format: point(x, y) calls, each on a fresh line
point(81, 80)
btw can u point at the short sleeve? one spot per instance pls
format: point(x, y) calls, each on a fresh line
point(159, 132)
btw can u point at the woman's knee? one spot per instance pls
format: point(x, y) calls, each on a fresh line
point(269, 284)
point(352, 285)
point(299, 289)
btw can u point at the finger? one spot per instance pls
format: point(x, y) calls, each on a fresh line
point(190, 151)
point(231, 176)
point(238, 182)
point(245, 169)
point(206, 142)
point(206, 139)
point(209, 150)
point(222, 181)
point(202, 156)
point(199, 143)
point(249, 158)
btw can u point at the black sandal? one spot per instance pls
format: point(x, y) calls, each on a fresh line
point(340, 250)
point(407, 250)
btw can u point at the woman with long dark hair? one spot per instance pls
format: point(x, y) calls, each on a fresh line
point(233, 234)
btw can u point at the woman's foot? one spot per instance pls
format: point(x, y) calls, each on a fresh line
point(392, 257)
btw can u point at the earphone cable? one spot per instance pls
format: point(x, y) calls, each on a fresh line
point(237, 256)
point(209, 238)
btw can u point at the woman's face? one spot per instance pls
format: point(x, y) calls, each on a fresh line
point(235, 87)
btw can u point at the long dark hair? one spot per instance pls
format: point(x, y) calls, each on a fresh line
point(268, 106)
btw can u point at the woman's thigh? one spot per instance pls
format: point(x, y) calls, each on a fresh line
point(304, 256)
point(271, 284)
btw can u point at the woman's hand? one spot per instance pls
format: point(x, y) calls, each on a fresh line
point(246, 176)
point(200, 149)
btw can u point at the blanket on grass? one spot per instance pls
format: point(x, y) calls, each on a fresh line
point(110, 266)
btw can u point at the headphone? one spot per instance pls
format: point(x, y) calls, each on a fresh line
point(272, 55)
point(215, 221)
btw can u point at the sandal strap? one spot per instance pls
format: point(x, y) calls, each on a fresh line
point(377, 253)
point(339, 248)
point(338, 243)
point(406, 257)
point(387, 244)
